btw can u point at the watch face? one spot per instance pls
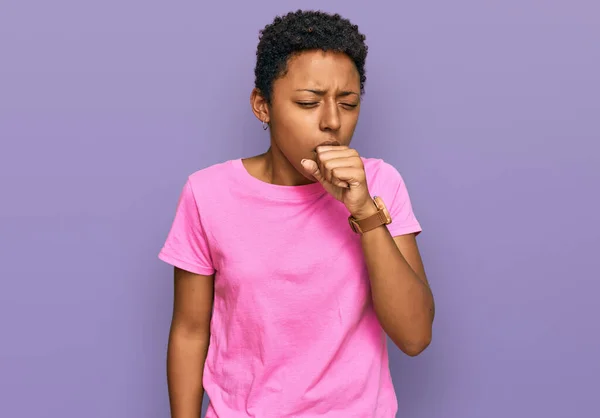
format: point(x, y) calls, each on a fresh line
point(380, 205)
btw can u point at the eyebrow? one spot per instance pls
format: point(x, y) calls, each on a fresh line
point(323, 92)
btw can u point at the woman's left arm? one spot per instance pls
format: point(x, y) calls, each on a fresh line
point(402, 297)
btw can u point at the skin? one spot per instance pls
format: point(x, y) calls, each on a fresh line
point(188, 342)
point(312, 115)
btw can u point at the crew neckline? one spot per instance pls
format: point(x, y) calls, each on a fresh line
point(275, 191)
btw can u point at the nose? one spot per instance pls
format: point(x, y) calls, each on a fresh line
point(330, 117)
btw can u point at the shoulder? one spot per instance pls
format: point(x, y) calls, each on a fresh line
point(385, 181)
point(381, 173)
point(211, 174)
point(209, 181)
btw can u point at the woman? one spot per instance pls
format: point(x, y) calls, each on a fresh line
point(288, 271)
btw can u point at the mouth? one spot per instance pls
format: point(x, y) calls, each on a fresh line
point(325, 143)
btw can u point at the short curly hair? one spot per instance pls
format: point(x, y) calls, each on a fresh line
point(302, 31)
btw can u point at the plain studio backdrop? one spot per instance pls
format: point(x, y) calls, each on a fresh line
point(489, 109)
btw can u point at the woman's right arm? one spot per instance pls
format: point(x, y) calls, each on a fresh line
point(188, 342)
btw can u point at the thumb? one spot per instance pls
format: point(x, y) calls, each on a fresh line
point(312, 168)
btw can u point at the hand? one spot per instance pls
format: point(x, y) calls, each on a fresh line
point(341, 172)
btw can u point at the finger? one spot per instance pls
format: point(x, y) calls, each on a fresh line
point(327, 166)
point(353, 176)
point(312, 169)
point(339, 183)
point(331, 154)
point(322, 168)
point(323, 148)
point(326, 174)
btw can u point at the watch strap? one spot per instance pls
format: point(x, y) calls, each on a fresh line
point(379, 218)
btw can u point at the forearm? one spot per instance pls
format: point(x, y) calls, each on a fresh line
point(185, 365)
point(402, 300)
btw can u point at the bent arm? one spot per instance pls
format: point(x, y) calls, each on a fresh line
point(188, 342)
point(401, 294)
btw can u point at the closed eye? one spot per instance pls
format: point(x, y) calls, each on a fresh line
point(315, 104)
point(308, 104)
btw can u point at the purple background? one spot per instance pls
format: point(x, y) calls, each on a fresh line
point(490, 110)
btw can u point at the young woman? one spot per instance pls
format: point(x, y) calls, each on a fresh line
point(293, 265)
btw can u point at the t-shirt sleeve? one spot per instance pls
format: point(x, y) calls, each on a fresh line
point(186, 245)
point(397, 200)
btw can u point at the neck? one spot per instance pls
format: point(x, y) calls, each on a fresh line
point(273, 167)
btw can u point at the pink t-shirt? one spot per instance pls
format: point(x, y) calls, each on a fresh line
point(293, 331)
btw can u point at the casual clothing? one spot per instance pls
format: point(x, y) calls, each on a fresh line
point(293, 331)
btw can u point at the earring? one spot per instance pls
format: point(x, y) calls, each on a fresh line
point(264, 125)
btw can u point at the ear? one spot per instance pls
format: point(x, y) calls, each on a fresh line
point(259, 105)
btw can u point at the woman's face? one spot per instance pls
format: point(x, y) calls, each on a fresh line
point(315, 102)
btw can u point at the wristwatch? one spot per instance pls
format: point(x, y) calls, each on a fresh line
point(379, 218)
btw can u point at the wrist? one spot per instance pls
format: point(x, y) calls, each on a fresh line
point(366, 210)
